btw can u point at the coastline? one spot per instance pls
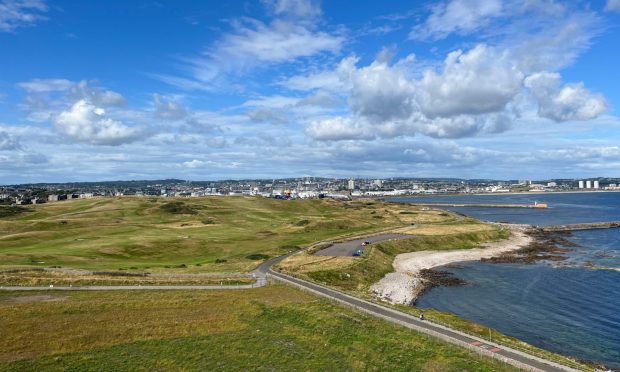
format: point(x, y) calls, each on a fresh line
point(406, 283)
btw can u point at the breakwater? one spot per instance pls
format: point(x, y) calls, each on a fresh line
point(582, 226)
point(457, 205)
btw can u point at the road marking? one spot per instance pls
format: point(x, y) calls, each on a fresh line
point(495, 350)
point(476, 343)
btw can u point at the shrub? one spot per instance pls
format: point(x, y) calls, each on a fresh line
point(178, 208)
point(11, 210)
point(257, 256)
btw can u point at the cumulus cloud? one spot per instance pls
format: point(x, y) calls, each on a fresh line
point(195, 163)
point(168, 109)
point(267, 115)
point(40, 91)
point(87, 123)
point(457, 16)
point(339, 128)
point(319, 99)
point(335, 80)
point(20, 13)
point(463, 125)
point(567, 102)
point(481, 80)
point(381, 93)
point(8, 142)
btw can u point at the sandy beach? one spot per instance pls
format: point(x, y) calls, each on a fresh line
point(404, 284)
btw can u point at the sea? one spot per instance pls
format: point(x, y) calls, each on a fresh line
point(570, 307)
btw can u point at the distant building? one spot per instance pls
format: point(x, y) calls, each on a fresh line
point(581, 184)
point(378, 183)
point(596, 185)
point(588, 184)
point(351, 185)
point(551, 184)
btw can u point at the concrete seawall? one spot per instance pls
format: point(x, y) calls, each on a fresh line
point(477, 205)
point(582, 226)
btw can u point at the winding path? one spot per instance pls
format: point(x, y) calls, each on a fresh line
point(263, 271)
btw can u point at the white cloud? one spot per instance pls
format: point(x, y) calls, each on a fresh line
point(319, 99)
point(168, 109)
point(381, 93)
point(554, 43)
point(280, 41)
point(339, 128)
point(330, 80)
point(8, 142)
point(562, 103)
point(195, 163)
point(457, 16)
point(267, 115)
point(613, 5)
point(474, 82)
point(301, 9)
point(87, 123)
point(46, 85)
point(253, 44)
point(20, 13)
point(463, 125)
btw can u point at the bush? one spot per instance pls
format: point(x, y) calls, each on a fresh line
point(12, 210)
point(257, 256)
point(302, 223)
point(178, 208)
point(220, 260)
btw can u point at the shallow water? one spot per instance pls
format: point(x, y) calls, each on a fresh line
point(571, 307)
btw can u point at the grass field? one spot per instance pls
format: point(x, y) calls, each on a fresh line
point(272, 328)
point(217, 234)
point(359, 273)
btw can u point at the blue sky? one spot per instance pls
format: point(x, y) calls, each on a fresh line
point(287, 88)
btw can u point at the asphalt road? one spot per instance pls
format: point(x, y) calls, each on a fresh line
point(511, 356)
point(347, 248)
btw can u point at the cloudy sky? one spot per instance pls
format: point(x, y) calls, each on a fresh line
point(198, 90)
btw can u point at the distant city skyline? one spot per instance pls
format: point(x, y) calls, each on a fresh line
point(472, 89)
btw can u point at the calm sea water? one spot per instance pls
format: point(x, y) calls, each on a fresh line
point(571, 307)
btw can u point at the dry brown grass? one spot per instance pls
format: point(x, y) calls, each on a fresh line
point(36, 278)
point(439, 229)
point(304, 262)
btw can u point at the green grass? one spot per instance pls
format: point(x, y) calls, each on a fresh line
point(11, 210)
point(377, 259)
point(272, 328)
point(156, 233)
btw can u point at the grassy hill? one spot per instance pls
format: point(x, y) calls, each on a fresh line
point(219, 234)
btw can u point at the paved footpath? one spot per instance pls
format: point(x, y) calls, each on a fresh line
point(514, 357)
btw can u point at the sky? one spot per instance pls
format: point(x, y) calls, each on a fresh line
point(137, 89)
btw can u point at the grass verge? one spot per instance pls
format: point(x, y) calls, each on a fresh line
point(272, 328)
